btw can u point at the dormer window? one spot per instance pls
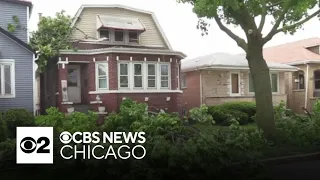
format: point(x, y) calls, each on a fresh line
point(118, 35)
point(133, 37)
point(104, 33)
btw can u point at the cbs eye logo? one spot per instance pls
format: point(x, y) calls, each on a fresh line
point(65, 137)
point(29, 145)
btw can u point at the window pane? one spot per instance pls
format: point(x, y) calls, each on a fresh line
point(164, 84)
point(251, 88)
point(151, 77)
point(137, 69)
point(133, 36)
point(72, 77)
point(235, 83)
point(118, 35)
point(164, 70)
point(151, 83)
point(317, 84)
point(123, 69)
point(124, 81)
point(7, 76)
point(138, 81)
point(102, 83)
point(104, 34)
point(274, 82)
point(102, 70)
point(164, 78)
point(301, 81)
point(151, 69)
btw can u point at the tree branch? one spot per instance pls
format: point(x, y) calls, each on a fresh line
point(263, 15)
point(241, 42)
point(272, 33)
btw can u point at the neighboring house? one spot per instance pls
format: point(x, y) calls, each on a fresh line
point(304, 54)
point(122, 53)
point(17, 59)
point(220, 77)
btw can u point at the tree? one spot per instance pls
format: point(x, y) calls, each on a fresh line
point(287, 15)
point(53, 34)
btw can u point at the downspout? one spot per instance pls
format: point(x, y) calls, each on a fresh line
point(201, 100)
point(307, 87)
point(35, 83)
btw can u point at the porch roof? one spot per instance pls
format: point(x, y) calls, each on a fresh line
point(227, 61)
point(119, 23)
point(124, 50)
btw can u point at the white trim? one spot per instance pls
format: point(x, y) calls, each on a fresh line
point(10, 62)
point(201, 93)
point(238, 68)
point(123, 7)
point(156, 75)
point(135, 91)
point(67, 102)
point(142, 75)
point(28, 17)
point(35, 84)
point(97, 75)
point(95, 102)
point(128, 71)
point(278, 82)
point(169, 75)
point(239, 84)
point(315, 61)
point(123, 50)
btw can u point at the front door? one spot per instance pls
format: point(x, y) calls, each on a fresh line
point(74, 85)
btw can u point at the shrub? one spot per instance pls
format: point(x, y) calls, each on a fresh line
point(201, 115)
point(241, 117)
point(218, 114)
point(3, 129)
point(246, 107)
point(17, 117)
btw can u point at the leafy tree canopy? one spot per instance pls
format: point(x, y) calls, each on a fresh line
point(53, 34)
point(288, 15)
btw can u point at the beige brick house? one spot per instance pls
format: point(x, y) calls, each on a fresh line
point(303, 86)
point(222, 77)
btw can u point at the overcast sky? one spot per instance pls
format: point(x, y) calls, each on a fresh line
point(178, 22)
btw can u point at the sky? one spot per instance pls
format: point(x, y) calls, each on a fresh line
point(178, 23)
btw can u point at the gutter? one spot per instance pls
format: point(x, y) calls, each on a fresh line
point(307, 87)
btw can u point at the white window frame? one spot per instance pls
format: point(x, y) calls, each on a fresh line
point(123, 37)
point(304, 80)
point(239, 84)
point(138, 37)
point(142, 75)
point(278, 82)
point(169, 75)
point(97, 76)
point(156, 75)
point(109, 31)
point(11, 63)
point(119, 75)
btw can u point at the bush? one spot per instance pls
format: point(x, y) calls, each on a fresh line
point(17, 117)
point(201, 115)
point(3, 129)
point(223, 116)
point(247, 107)
point(218, 114)
point(241, 117)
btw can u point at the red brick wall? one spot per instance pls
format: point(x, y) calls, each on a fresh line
point(191, 94)
point(113, 100)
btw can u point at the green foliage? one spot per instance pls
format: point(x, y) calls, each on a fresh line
point(219, 114)
point(280, 110)
point(201, 114)
point(316, 107)
point(239, 116)
point(3, 129)
point(17, 117)
point(7, 150)
point(12, 27)
point(246, 107)
point(53, 34)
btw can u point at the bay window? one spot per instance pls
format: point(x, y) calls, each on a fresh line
point(101, 76)
point(144, 75)
point(7, 81)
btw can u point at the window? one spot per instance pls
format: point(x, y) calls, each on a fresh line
point(104, 33)
point(152, 76)
point(251, 88)
point(137, 75)
point(183, 80)
point(133, 37)
point(317, 80)
point(124, 75)
point(164, 75)
point(235, 83)
point(274, 82)
point(301, 81)
point(118, 35)
point(274, 78)
point(102, 76)
point(7, 80)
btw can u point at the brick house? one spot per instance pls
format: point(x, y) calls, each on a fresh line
point(303, 86)
point(122, 53)
point(221, 77)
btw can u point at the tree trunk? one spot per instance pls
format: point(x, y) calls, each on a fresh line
point(260, 74)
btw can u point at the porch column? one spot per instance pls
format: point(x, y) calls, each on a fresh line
point(62, 85)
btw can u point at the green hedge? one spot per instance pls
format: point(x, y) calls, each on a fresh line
point(15, 118)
